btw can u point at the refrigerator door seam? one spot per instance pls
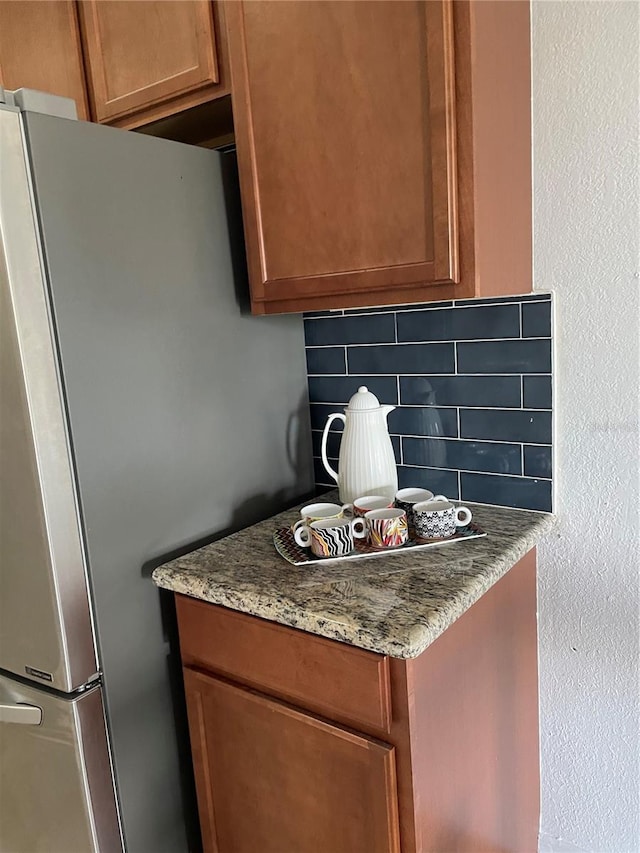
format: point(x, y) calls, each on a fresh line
point(35, 351)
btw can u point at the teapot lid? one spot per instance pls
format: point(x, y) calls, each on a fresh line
point(363, 400)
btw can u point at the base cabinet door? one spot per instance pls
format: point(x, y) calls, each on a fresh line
point(275, 779)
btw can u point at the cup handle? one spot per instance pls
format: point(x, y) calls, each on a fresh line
point(466, 516)
point(438, 498)
point(297, 524)
point(302, 534)
point(347, 510)
point(359, 527)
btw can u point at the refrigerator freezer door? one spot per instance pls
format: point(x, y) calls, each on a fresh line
point(45, 622)
point(56, 787)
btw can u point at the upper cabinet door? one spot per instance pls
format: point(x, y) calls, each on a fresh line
point(40, 49)
point(141, 54)
point(345, 131)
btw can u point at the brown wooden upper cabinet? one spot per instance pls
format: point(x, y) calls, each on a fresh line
point(40, 49)
point(147, 60)
point(383, 149)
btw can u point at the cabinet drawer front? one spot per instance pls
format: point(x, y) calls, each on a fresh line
point(333, 679)
point(272, 779)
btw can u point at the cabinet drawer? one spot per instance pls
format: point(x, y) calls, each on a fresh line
point(333, 679)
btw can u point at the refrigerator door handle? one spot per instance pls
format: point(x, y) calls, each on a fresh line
point(25, 715)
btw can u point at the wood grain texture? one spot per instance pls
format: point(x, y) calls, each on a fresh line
point(142, 54)
point(501, 98)
point(463, 728)
point(349, 685)
point(40, 49)
point(474, 725)
point(273, 779)
point(335, 106)
point(479, 118)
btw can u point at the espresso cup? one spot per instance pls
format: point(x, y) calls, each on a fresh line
point(387, 528)
point(331, 537)
point(439, 519)
point(361, 506)
point(320, 512)
point(406, 499)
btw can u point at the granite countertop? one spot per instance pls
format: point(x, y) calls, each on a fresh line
point(397, 604)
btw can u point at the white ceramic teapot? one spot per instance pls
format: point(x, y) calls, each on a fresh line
point(366, 464)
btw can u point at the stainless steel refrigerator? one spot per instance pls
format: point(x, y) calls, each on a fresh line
point(142, 409)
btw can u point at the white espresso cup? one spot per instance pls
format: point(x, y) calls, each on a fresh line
point(439, 519)
point(331, 537)
point(320, 512)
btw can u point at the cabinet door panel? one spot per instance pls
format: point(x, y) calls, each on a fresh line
point(345, 133)
point(274, 779)
point(40, 49)
point(142, 53)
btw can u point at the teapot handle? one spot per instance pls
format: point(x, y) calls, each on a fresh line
point(325, 436)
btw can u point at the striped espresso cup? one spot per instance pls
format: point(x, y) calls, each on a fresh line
point(331, 537)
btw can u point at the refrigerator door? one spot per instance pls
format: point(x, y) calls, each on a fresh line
point(45, 622)
point(56, 787)
point(188, 416)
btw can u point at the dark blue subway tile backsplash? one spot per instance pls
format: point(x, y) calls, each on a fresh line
point(490, 456)
point(518, 492)
point(506, 425)
point(440, 482)
point(471, 382)
point(423, 420)
point(367, 329)
point(455, 324)
point(401, 358)
point(536, 392)
point(338, 389)
point(500, 391)
point(326, 360)
point(536, 320)
point(505, 356)
point(537, 461)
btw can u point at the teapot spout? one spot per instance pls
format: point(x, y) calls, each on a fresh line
point(387, 409)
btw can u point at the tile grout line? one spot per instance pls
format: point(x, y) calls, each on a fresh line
point(520, 316)
point(505, 409)
point(421, 307)
point(460, 471)
point(402, 435)
point(428, 342)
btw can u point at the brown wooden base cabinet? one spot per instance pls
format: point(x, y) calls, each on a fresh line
point(306, 745)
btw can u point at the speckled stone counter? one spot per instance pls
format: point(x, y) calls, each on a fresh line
point(396, 605)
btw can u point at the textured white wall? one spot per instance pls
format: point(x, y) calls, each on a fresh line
point(586, 249)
